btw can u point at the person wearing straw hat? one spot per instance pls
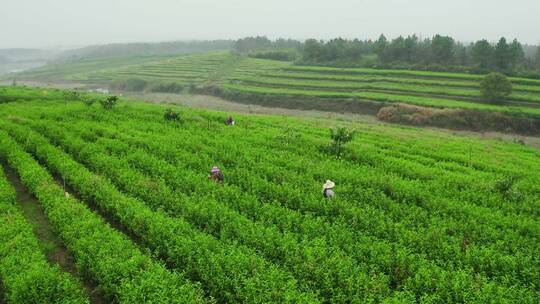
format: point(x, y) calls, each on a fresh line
point(216, 175)
point(328, 187)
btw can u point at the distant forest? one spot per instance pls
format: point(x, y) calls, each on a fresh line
point(145, 49)
point(438, 53)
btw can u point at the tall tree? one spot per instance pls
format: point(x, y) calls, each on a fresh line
point(410, 44)
point(335, 49)
point(252, 43)
point(424, 52)
point(381, 44)
point(312, 51)
point(443, 49)
point(482, 53)
point(354, 50)
point(287, 43)
point(394, 51)
point(516, 54)
point(537, 57)
point(462, 54)
point(502, 54)
point(398, 49)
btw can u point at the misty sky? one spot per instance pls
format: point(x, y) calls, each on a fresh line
point(51, 23)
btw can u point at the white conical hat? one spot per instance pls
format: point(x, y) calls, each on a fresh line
point(329, 184)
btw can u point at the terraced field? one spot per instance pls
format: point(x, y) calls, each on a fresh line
point(187, 69)
point(442, 90)
point(79, 70)
point(419, 215)
point(259, 77)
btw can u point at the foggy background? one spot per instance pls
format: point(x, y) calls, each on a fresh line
point(75, 23)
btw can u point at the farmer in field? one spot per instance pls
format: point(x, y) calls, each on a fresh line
point(230, 121)
point(216, 175)
point(328, 187)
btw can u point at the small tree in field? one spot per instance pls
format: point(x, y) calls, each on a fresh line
point(288, 136)
point(171, 115)
point(89, 101)
point(505, 186)
point(495, 87)
point(340, 136)
point(72, 96)
point(109, 102)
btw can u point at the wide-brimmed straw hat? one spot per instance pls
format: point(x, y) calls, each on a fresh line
point(215, 170)
point(329, 184)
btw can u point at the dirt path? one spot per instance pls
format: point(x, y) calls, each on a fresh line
point(54, 85)
point(219, 104)
point(53, 247)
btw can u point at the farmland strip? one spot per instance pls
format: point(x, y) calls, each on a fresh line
point(230, 273)
point(124, 274)
point(24, 271)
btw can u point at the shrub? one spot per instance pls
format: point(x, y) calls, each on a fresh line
point(89, 101)
point(505, 186)
point(72, 95)
point(389, 114)
point(289, 135)
point(495, 87)
point(420, 118)
point(407, 114)
point(340, 136)
point(171, 115)
point(109, 102)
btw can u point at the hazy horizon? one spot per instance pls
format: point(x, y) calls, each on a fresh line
point(68, 24)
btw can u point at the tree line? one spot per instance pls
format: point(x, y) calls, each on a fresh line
point(439, 53)
point(251, 44)
point(445, 51)
point(145, 49)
